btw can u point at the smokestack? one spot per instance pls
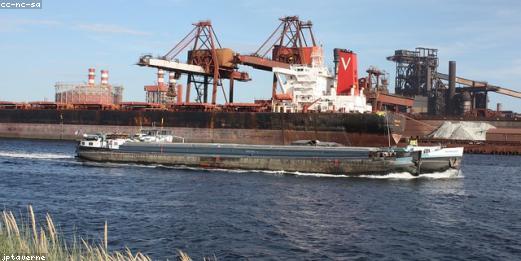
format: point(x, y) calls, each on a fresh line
point(428, 85)
point(336, 57)
point(452, 79)
point(171, 78)
point(92, 75)
point(346, 72)
point(104, 77)
point(499, 107)
point(452, 87)
point(179, 94)
point(160, 77)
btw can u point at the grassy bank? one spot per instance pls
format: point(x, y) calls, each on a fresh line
point(29, 237)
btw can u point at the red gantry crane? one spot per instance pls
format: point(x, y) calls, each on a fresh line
point(291, 43)
point(207, 63)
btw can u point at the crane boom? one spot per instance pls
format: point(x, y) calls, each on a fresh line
point(171, 65)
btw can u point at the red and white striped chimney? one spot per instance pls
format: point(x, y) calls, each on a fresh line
point(160, 77)
point(179, 94)
point(104, 77)
point(171, 78)
point(92, 75)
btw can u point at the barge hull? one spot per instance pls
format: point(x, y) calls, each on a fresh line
point(439, 164)
point(351, 167)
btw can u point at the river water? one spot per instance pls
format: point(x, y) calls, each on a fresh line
point(237, 215)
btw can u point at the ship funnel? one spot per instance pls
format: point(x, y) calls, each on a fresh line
point(346, 68)
point(335, 59)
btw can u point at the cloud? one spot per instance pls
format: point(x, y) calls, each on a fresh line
point(20, 25)
point(110, 29)
point(10, 24)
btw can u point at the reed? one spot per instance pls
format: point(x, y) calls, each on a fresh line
point(29, 238)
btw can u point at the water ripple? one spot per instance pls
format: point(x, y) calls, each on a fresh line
point(238, 215)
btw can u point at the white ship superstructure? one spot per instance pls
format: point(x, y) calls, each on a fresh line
point(314, 88)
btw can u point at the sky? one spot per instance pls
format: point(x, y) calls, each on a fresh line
point(59, 42)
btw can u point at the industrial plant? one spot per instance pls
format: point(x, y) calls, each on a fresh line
point(102, 94)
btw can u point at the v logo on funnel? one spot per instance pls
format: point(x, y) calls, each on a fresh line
point(344, 64)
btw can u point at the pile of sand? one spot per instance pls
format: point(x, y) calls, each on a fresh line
point(462, 131)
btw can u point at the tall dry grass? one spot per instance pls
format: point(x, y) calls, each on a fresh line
point(30, 238)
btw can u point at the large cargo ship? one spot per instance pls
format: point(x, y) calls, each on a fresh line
point(354, 129)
